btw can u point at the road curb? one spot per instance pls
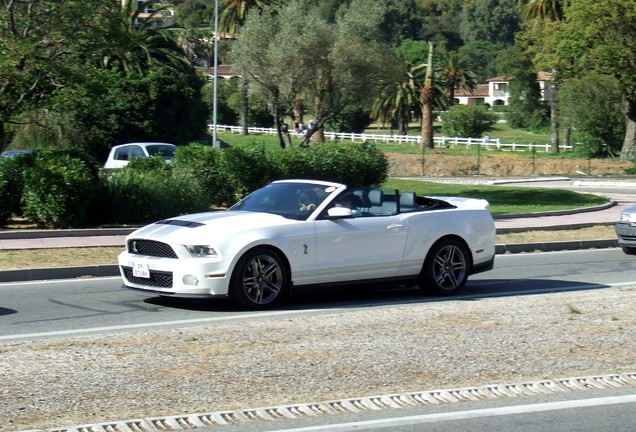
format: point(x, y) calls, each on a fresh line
point(109, 270)
point(49, 273)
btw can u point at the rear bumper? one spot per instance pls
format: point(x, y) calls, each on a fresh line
point(483, 267)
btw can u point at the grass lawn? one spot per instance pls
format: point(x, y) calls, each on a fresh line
point(504, 199)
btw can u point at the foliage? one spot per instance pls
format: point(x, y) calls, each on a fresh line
point(352, 164)
point(203, 163)
point(600, 37)
point(334, 65)
point(43, 45)
point(441, 21)
point(58, 189)
point(247, 169)
point(229, 104)
point(12, 184)
point(467, 121)
point(111, 108)
point(136, 43)
point(526, 110)
point(600, 123)
point(354, 119)
point(480, 57)
point(145, 191)
point(494, 21)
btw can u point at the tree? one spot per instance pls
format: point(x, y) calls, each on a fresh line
point(235, 13)
point(495, 21)
point(526, 110)
point(545, 16)
point(454, 74)
point(441, 20)
point(599, 121)
point(600, 37)
point(44, 44)
point(551, 10)
point(427, 101)
point(398, 101)
point(334, 65)
point(135, 43)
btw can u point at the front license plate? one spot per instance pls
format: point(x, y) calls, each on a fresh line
point(140, 269)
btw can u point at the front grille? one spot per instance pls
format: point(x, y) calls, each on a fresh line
point(157, 279)
point(150, 248)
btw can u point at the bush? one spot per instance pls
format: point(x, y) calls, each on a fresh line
point(145, 192)
point(12, 184)
point(246, 169)
point(349, 163)
point(203, 164)
point(58, 188)
point(467, 121)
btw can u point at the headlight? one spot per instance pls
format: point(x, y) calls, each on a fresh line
point(201, 251)
point(626, 218)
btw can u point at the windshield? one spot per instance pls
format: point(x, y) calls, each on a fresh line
point(165, 151)
point(290, 200)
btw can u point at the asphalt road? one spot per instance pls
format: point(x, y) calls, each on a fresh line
point(62, 308)
point(42, 309)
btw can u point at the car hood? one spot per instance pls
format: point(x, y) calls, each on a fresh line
point(196, 228)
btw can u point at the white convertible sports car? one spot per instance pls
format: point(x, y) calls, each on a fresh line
point(294, 233)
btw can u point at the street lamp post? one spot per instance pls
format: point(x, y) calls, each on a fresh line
point(215, 140)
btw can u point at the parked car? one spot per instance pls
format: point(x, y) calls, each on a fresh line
point(122, 154)
point(626, 230)
point(299, 233)
point(14, 153)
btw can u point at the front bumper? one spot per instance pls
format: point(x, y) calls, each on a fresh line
point(186, 278)
point(626, 234)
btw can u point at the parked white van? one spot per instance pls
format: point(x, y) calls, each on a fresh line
point(122, 154)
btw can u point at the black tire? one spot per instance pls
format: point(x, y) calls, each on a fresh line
point(259, 280)
point(446, 268)
point(629, 250)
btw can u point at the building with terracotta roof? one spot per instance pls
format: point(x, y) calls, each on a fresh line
point(497, 92)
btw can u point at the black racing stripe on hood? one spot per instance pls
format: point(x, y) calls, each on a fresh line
point(181, 223)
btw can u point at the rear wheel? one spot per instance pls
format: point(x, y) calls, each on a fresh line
point(259, 280)
point(445, 270)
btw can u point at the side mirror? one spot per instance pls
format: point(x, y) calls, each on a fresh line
point(339, 213)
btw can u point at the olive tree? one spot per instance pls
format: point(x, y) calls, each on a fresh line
point(296, 53)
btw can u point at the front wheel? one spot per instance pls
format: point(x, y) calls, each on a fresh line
point(259, 280)
point(445, 270)
point(629, 250)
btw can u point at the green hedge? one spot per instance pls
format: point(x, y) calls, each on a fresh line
point(58, 189)
point(61, 189)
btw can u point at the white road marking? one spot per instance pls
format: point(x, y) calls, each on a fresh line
point(463, 415)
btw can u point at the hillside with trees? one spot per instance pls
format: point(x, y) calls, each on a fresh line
point(88, 78)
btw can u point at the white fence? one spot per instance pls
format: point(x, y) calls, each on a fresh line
point(493, 144)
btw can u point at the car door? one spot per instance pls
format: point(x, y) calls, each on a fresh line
point(360, 248)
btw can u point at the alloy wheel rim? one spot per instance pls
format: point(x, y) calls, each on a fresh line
point(263, 279)
point(450, 268)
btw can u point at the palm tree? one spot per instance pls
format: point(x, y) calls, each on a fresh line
point(137, 43)
point(235, 12)
point(553, 10)
point(399, 101)
point(454, 75)
point(427, 101)
point(550, 10)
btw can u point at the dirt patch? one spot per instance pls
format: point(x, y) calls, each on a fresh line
point(441, 165)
